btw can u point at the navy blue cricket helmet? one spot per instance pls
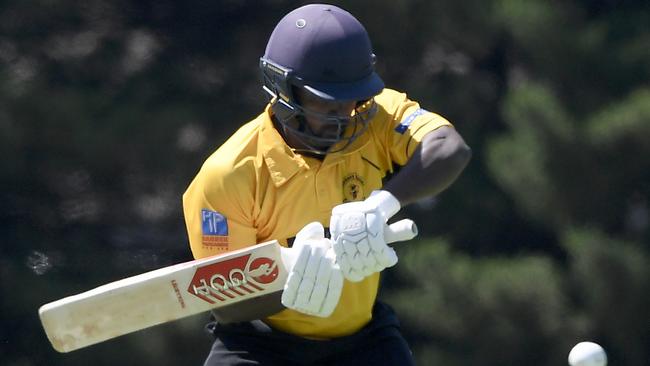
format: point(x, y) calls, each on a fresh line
point(326, 51)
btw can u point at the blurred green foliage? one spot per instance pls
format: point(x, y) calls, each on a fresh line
point(487, 311)
point(108, 108)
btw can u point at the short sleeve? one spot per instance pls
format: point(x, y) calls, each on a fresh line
point(406, 125)
point(218, 211)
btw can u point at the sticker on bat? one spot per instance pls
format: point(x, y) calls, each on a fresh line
point(233, 278)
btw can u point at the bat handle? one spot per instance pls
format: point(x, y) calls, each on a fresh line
point(400, 231)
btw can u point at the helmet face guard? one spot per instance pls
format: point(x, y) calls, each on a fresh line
point(280, 84)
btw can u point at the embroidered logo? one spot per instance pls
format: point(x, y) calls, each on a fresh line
point(406, 122)
point(214, 227)
point(353, 188)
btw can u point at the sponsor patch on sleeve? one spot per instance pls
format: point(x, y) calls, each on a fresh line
point(214, 227)
point(406, 122)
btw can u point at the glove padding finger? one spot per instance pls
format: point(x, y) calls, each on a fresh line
point(344, 264)
point(387, 257)
point(349, 260)
point(315, 282)
point(319, 291)
point(361, 256)
point(335, 286)
point(309, 278)
point(294, 278)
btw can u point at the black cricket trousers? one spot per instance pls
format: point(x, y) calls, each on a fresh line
point(255, 343)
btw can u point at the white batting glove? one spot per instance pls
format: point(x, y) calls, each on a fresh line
point(315, 281)
point(357, 230)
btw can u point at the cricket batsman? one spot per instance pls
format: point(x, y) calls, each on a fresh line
point(332, 157)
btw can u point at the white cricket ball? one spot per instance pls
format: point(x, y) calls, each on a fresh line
point(587, 354)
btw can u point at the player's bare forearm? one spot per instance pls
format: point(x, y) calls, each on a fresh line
point(435, 165)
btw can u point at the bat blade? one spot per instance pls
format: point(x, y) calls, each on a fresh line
point(163, 295)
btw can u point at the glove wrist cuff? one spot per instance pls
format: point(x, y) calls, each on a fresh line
point(385, 202)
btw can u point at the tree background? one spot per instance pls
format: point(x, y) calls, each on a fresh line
point(108, 109)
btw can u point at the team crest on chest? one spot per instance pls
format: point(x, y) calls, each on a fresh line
point(353, 188)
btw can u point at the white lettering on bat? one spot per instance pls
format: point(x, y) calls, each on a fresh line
point(218, 286)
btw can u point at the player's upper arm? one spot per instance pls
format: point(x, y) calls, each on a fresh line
point(218, 208)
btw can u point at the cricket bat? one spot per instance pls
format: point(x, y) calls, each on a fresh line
point(241, 277)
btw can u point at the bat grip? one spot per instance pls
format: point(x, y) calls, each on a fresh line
point(400, 231)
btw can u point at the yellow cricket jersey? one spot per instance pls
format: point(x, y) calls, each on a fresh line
point(254, 188)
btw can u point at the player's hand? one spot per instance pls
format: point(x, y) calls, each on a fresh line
point(315, 281)
point(357, 230)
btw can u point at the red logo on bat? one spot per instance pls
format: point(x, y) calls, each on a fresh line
point(263, 270)
point(233, 278)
